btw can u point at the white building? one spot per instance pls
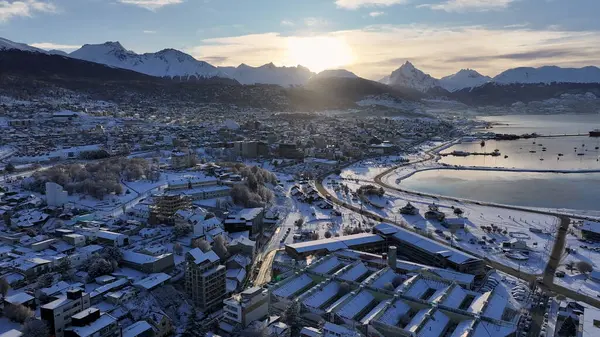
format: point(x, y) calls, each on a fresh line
point(55, 195)
point(249, 306)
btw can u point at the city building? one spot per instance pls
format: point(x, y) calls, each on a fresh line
point(183, 159)
point(366, 242)
point(250, 149)
point(248, 219)
point(148, 263)
point(165, 206)
point(430, 252)
point(205, 279)
point(55, 195)
point(91, 323)
point(57, 314)
point(590, 230)
point(358, 292)
point(242, 309)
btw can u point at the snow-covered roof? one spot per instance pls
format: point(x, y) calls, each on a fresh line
point(355, 272)
point(590, 317)
point(394, 313)
point(356, 305)
point(325, 267)
point(386, 277)
point(236, 274)
point(201, 257)
point(88, 330)
point(455, 297)
point(495, 307)
point(463, 328)
point(152, 281)
point(591, 226)
point(292, 287)
point(485, 329)
point(334, 244)
point(433, 247)
point(317, 299)
point(136, 329)
point(417, 320)
point(435, 325)
point(19, 298)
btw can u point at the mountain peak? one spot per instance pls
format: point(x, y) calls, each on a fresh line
point(464, 78)
point(114, 45)
point(411, 77)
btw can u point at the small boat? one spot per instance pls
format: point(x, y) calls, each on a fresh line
point(597, 147)
point(581, 154)
point(560, 154)
point(542, 159)
point(505, 156)
point(532, 151)
point(482, 143)
point(533, 142)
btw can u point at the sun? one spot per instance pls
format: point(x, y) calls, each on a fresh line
point(319, 53)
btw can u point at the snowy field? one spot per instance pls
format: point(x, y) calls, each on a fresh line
point(574, 280)
point(510, 224)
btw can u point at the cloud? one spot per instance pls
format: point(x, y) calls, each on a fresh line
point(149, 32)
point(151, 4)
point(376, 14)
point(216, 59)
point(287, 23)
point(24, 8)
point(50, 46)
point(379, 49)
point(315, 22)
point(469, 5)
point(355, 4)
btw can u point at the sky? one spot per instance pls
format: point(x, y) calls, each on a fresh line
point(369, 37)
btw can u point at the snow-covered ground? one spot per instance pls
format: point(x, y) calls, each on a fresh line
point(574, 280)
point(512, 224)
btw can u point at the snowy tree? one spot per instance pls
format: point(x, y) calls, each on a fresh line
point(35, 328)
point(182, 229)
point(99, 267)
point(17, 312)
point(4, 286)
point(584, 267)
point(112, 254)
point(328, 234)
point(202, 244)
point(178, 249)
point(45, 281)
point(220, 247)
point(9, 168)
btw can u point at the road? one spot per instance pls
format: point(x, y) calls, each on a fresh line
point(557, 249)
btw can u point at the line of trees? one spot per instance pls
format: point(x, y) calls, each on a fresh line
point(96, 179)
point(253, 193)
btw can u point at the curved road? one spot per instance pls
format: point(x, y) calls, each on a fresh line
point(547, 281)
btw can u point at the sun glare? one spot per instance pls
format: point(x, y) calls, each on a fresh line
point(319, 53)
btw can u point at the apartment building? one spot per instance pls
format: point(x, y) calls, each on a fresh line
point(205, 279)
point(58, 313)
point(166, 206)
point(250, 305)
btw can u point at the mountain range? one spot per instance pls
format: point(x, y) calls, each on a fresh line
point(337, 87)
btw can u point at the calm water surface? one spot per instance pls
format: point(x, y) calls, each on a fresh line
point(579, 191)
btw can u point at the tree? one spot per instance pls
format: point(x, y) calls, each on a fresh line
point(300, 222)
point(584, 267)
point(182, 229)
point(178, 249)
point(4, 286)
point(10, 168)
point(35, 328)
point(458, 211)
point(220, 247)
point(344, 288)
point(328, 234)
point(388, 286)
point(202, 244)
point(570, 266)
point(17, 312)
point(397, 281)
point(45, 281)
point(99, 267)
point(112, 254)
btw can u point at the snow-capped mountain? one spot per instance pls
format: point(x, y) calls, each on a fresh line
point(165, 63)
point(410, 77)
point(549, 74)
point(465, 78)
point(336, 73)
point(269, 74)
point(8, 45)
